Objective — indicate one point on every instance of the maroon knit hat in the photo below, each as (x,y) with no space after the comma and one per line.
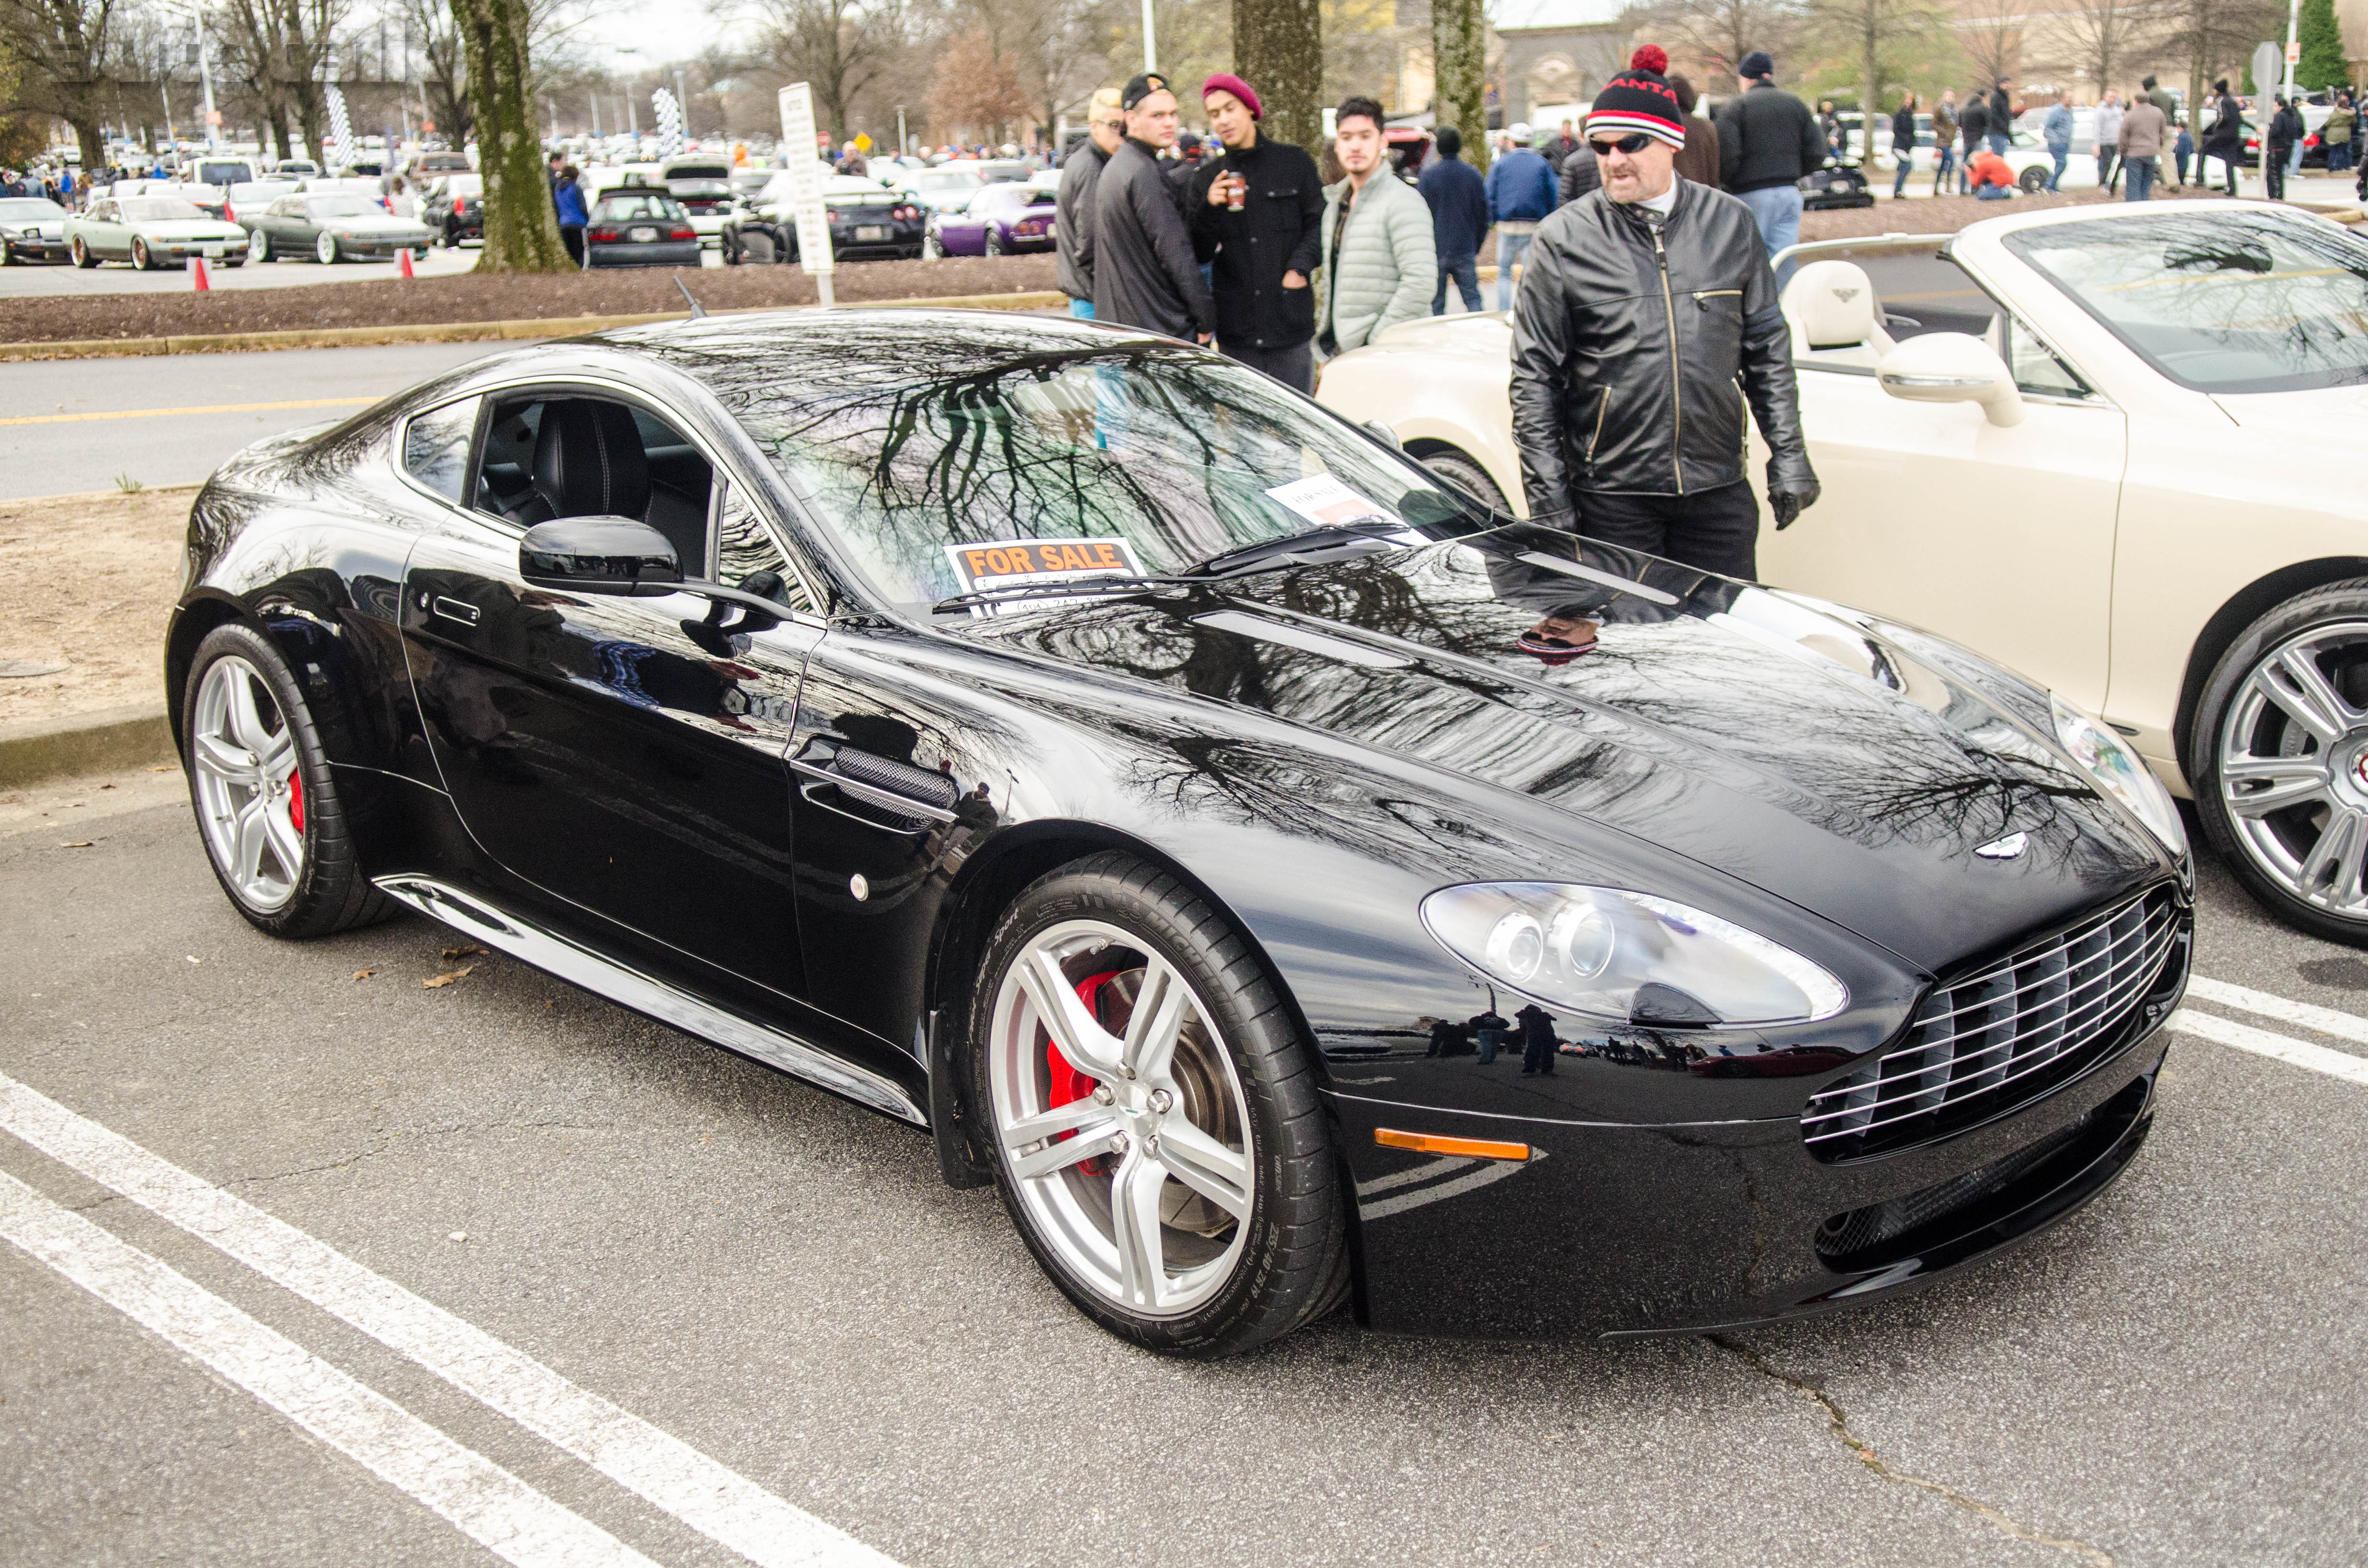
(1224,82)
(1640,98)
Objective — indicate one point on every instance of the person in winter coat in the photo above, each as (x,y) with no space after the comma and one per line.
(2141,148)
(1073,207)
(1262,253)
(1974,127)
(2001,117)
(1537,1041)
(1630,414)
(1144,272)
(2109,140)
(2286,133)
(1992,176)
(2056,131)
(1380,260)
(2224,138)
(2335,135)
(1766,140)
(1903,142)
(1522,191)
(569,200)
(1944,139)
(1458,198)
(1579,173)
(1698,159)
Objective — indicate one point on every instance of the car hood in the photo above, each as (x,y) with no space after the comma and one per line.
(1850,767)
(188,229)
(2336,411)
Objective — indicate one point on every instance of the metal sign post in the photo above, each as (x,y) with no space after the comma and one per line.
(2269,64)
(805,185)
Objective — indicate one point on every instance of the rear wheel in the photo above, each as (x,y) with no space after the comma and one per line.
(2280,756)
(2034,180)
(994,239)
(1158,1141)
(325,248)
(761,248)
(267,805)
(140,259)
(1467,476)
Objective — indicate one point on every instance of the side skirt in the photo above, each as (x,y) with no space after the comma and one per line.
(629,987)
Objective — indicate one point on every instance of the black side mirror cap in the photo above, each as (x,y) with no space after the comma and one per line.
(599,555)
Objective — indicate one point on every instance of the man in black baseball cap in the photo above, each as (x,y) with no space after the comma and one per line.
(1144,272)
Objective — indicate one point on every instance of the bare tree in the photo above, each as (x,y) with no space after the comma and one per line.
(280,49)
(1993,40)
(521,224)
(1722,31)
(840,47)
(444,69)
(1873,34)
(2214,37)
(974,89)
(2101,37)
(61,54)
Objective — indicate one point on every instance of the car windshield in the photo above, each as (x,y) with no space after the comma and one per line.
(225,173)
(259,191)
(1167,456)
(159,209)
(999,173)
(621,208)
(22,209)
(2231,303)
(342,207)
(943,179)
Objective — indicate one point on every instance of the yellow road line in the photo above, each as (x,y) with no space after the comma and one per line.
(217,408)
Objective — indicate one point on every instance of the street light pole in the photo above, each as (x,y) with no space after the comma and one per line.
(1150,44)
(206,76)
(682,102)
(902,147)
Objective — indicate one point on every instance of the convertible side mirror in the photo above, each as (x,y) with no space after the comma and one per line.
(1952,367)
(599,555)
(1379,429)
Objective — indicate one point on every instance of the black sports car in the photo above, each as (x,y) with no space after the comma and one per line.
(1289,883)
(868,222)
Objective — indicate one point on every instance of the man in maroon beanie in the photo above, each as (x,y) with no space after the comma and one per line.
(1258,215)
(1645,324)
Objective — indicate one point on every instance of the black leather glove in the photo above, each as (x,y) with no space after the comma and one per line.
(1789,500)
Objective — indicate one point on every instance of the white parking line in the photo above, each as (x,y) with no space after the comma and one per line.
(2261,1042)
(485,1502)
(2326,1020)
(710,1497)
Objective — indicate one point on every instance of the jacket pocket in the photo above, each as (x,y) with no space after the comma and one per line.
(1595,436)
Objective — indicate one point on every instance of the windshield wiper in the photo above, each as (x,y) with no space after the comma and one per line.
(1332,541)
(1073,587)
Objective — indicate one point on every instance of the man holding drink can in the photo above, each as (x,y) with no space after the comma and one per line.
(1257,215)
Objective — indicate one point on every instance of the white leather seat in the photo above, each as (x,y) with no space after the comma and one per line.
(1834,314)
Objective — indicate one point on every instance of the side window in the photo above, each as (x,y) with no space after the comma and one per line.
(2036,368)
(436,447)
(743,546)
(562,454)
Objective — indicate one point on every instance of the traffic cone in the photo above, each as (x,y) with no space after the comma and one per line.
(403,261)
(197,282)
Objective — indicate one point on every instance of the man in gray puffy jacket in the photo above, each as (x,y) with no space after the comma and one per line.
(1379,259)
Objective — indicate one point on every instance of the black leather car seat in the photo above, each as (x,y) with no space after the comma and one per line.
(587,464)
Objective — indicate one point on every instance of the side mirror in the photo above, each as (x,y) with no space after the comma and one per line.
(1379,429)
(1950,366)
(599,555)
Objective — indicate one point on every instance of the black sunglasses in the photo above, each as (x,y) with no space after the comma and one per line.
(1631,145)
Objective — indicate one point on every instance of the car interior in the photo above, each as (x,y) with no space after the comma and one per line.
(583,456)
(1839,321)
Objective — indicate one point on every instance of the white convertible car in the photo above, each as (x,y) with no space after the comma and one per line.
(2120,448)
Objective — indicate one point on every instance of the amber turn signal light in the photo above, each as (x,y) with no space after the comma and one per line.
(1468,1148)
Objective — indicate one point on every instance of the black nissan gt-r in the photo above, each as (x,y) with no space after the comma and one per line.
(1288,882)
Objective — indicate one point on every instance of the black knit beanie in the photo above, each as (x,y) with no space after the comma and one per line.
(1639,99)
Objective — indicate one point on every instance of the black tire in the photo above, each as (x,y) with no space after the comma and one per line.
(1294,1266)
(2034,180)
(2345,668)
(140,260)
(1467,476)
(331,894)
(760,248)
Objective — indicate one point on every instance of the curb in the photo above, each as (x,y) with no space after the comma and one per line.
(471,331)
(36,749)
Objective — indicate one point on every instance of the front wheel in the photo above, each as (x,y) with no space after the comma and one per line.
(2034,180)
(140,260)
(325,248)
(2280,760)
(1469,477)
(81,253)
(259,247)
(1158,1142)
(267,806)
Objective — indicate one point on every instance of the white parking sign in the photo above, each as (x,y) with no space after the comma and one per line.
(805,179)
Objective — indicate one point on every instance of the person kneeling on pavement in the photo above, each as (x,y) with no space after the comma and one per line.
(1992,176)
(1629,412)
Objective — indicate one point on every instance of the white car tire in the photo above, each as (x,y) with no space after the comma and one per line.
(259,247)
(325,250)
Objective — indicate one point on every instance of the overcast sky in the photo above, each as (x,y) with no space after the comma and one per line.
(663,30)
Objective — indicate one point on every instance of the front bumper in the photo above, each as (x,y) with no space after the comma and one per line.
(26,249)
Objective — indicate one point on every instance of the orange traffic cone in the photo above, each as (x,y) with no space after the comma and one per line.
(403,262)
(197,282)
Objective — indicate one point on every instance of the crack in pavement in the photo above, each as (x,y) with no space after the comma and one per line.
(391,1139)
(1865,1455)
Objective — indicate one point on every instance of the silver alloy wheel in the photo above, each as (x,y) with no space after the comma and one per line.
(243,763)
(1143,1187)
(326,247)
(2293,769)
(259,247)
(933,248)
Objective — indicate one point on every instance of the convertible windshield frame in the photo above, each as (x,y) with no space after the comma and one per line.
(2230,231)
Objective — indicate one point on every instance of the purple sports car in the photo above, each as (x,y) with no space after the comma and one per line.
(1000,220)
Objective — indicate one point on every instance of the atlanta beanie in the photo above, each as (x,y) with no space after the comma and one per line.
(1640,99)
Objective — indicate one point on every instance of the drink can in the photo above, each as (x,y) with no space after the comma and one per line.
(1236,188)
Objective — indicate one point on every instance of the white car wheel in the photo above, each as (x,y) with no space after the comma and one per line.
(326,249)
(259,247)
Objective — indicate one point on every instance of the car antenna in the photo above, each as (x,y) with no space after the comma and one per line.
(697,310)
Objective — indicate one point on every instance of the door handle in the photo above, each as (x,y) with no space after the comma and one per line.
(888,789)
(460,610)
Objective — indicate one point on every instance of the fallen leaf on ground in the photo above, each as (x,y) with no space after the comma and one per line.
(163,770)
(106,786)
(77,844)
(446,978)
(453,954)
(364,973)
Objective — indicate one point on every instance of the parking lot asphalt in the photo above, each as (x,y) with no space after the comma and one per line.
(776,1279)
(34,281)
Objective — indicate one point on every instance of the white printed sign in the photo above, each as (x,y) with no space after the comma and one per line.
(806,178)
(1321,499)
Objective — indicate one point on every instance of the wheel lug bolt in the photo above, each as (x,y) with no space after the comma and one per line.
(1151,1144)
(1103,1093)
(1118,1144)
(1161,1099)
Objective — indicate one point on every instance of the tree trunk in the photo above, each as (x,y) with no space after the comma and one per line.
(92,137)
(1459,52)
(1279,50)
(521,226)
(277,118)
(1869,87)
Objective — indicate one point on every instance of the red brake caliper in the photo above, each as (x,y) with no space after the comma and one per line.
(296,798)
(1067,1082)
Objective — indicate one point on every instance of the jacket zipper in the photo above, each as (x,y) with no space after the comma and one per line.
(1603,407)
(1676,391)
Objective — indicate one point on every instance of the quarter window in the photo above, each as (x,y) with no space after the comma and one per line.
(436,447)
(744,546)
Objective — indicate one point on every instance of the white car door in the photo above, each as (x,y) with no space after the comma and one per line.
(1999,537)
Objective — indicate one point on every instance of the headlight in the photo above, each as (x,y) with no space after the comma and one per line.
(2119,772)
(1628,956)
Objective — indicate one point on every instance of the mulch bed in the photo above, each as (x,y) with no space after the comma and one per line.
(429,301)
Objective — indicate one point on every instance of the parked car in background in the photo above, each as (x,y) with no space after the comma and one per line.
(1000,220)
(702,184)
(455,207)
(867,221)
(2112,446)
(253,196)
(296,168)
(639,228)
(221,172)
(334,228)
(32,228)
(945,189)
(424,168)
(150,232)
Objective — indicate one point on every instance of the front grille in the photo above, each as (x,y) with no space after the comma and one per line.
(1993,1041)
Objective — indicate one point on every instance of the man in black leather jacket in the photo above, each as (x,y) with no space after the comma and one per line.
(1645,322)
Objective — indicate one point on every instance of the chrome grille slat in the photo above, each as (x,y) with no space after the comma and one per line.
(1974,1039)
(2116,996)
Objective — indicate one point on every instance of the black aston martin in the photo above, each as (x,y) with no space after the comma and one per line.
(1289,883)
